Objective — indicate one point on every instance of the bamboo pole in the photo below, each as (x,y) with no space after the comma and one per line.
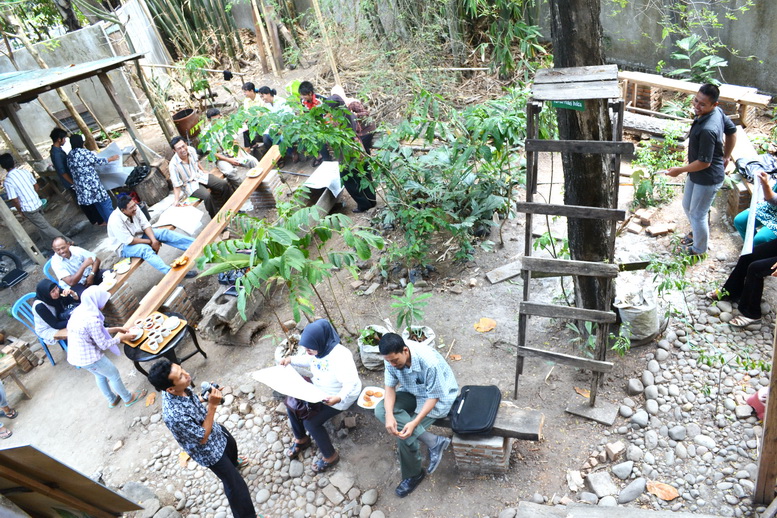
(265,37)
(94,116)
(272,28)
(259,43)
(327,43)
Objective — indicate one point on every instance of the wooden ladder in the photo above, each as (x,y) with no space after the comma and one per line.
(545,267)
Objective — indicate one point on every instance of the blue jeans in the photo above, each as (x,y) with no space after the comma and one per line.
(109,379)
(697,201)
(147,253)
(762,235)
(3,399)
(315,427)
(104,208)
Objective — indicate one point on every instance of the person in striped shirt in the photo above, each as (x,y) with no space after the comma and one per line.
(22,191)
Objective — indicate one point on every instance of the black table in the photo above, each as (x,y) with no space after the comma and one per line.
(137,355)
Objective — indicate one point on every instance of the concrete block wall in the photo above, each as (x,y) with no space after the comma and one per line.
(484,454)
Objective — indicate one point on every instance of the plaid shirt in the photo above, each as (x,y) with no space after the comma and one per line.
(86,342)
(429,376)
(19,183)
(184,416)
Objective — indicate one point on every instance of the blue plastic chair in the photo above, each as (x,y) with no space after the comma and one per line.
(49,272)
(22,311)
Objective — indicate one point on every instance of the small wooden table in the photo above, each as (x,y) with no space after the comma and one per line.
(7,367)
(137,355)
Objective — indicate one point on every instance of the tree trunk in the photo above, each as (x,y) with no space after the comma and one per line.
(69,19)
(577,35)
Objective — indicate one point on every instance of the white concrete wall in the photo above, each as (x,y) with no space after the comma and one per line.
(83,46)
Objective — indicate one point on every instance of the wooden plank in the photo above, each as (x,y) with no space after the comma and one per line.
(728,93)
(24,240)
(569,267)
(743,148)
(511,421)
(507,271)
(565,312)
(580,146)
(576,74)
(123,115)
(576,92)
(571,211)
(767,462)
(170,281)
(771,511)
(566,359)
(576,510)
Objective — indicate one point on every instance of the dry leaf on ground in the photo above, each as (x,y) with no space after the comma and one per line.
(662,491)
(455,357)
(151,399)
(583,392)
(183,458)
(485,325)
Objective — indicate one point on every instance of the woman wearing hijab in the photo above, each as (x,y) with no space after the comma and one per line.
(87,341)
(334,373)
(51,309)
(89,189)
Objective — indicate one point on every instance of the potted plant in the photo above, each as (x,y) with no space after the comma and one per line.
(198,88)
(368,346)
(409,313)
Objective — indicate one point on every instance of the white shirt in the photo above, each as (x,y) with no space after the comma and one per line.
(19,183)
(335,374)
(123,230)
(187,175)
(66,267)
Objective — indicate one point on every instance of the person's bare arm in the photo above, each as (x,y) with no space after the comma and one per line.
(213,401)
(729,142)
(390,397)
(407,431)
(70,280)
(696,165)
(17,204)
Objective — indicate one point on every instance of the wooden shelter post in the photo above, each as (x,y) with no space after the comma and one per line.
(21,236)
(10,111)
(125,117)
(767,462)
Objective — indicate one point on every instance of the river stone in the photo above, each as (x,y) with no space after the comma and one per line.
(632,491)
(623,470)
(724,306)
(677,433)
(634,387)
(651,392)
(365,511)
(608,501)
(601,484)
(588,498)
(508,513)
(296,469)
(370,497)
(625,411)
(377,514)
(648,378)
(640,418)
(633,453)
(167,512)
(262,496)
(651,405)
(705,440)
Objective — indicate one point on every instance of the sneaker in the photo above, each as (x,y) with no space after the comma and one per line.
(435,454)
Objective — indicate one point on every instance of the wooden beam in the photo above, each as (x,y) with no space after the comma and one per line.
(567,267)
(511,421)
(767,462)
(600,147)
(52,491)
(16,228)
(10,111)
(123,115)
(565,312)
(566,359)
(570,211)
(207,235)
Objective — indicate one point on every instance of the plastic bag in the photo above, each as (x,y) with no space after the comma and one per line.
(640,313)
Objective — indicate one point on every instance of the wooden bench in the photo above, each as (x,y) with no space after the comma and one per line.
(744,98)
(739,197)
(7,368)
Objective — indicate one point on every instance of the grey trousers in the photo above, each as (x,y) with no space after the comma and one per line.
(218,187)
(48,232)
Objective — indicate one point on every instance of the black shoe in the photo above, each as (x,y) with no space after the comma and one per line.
(408,485)
(192,273)
(435,454)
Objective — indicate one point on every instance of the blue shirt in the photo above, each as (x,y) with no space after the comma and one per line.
(429,376)
(705,143)
(184,416)
(59,161)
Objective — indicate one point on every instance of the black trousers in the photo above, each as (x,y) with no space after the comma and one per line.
(235,488)
(746,282)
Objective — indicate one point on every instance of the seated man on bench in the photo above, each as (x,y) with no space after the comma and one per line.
(190,179)
(132,233)
(427,389)
(75,267)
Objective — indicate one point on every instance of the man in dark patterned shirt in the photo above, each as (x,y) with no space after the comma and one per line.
(208,443)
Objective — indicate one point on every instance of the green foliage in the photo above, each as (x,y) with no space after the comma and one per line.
(650,188)
(370,336)
(586,338)
(468,172)
(409,309)
(548,242)
(198,80)
(280,252)
(670,274)
(679,106)
(699,60)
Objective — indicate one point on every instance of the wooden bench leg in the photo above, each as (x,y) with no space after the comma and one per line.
(21,386)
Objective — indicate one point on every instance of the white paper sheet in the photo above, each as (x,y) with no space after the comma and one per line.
(326,176)
(758,195)
(287,381)
(188,219)
(113,174)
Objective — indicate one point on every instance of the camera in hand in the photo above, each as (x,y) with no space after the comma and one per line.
(205,387)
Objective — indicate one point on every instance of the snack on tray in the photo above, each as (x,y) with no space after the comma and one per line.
(377,394)
(179,262)
(369,403)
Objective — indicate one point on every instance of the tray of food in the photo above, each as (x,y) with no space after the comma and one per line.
(154,332)
(370,397)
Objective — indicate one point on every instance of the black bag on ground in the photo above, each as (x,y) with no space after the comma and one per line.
(474,410)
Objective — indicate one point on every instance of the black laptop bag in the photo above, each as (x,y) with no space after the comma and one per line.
(474,410)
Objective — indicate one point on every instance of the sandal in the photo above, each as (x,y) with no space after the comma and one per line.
(743,321)
(12,415)
(242,462)
(321,465)
(115,402)
(297,448)
(137,396)
(5,433)
(687,240)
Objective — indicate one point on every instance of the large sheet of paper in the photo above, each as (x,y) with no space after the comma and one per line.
(288,381)
(758,195)
(113,174)
(188,219)
(326,176)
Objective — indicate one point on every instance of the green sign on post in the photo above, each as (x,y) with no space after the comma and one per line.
(569,105)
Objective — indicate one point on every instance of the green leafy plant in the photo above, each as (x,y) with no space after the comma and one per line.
(670,274)
(370,336)
(409,308)
(586,338)
(701,63)
(652,189)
